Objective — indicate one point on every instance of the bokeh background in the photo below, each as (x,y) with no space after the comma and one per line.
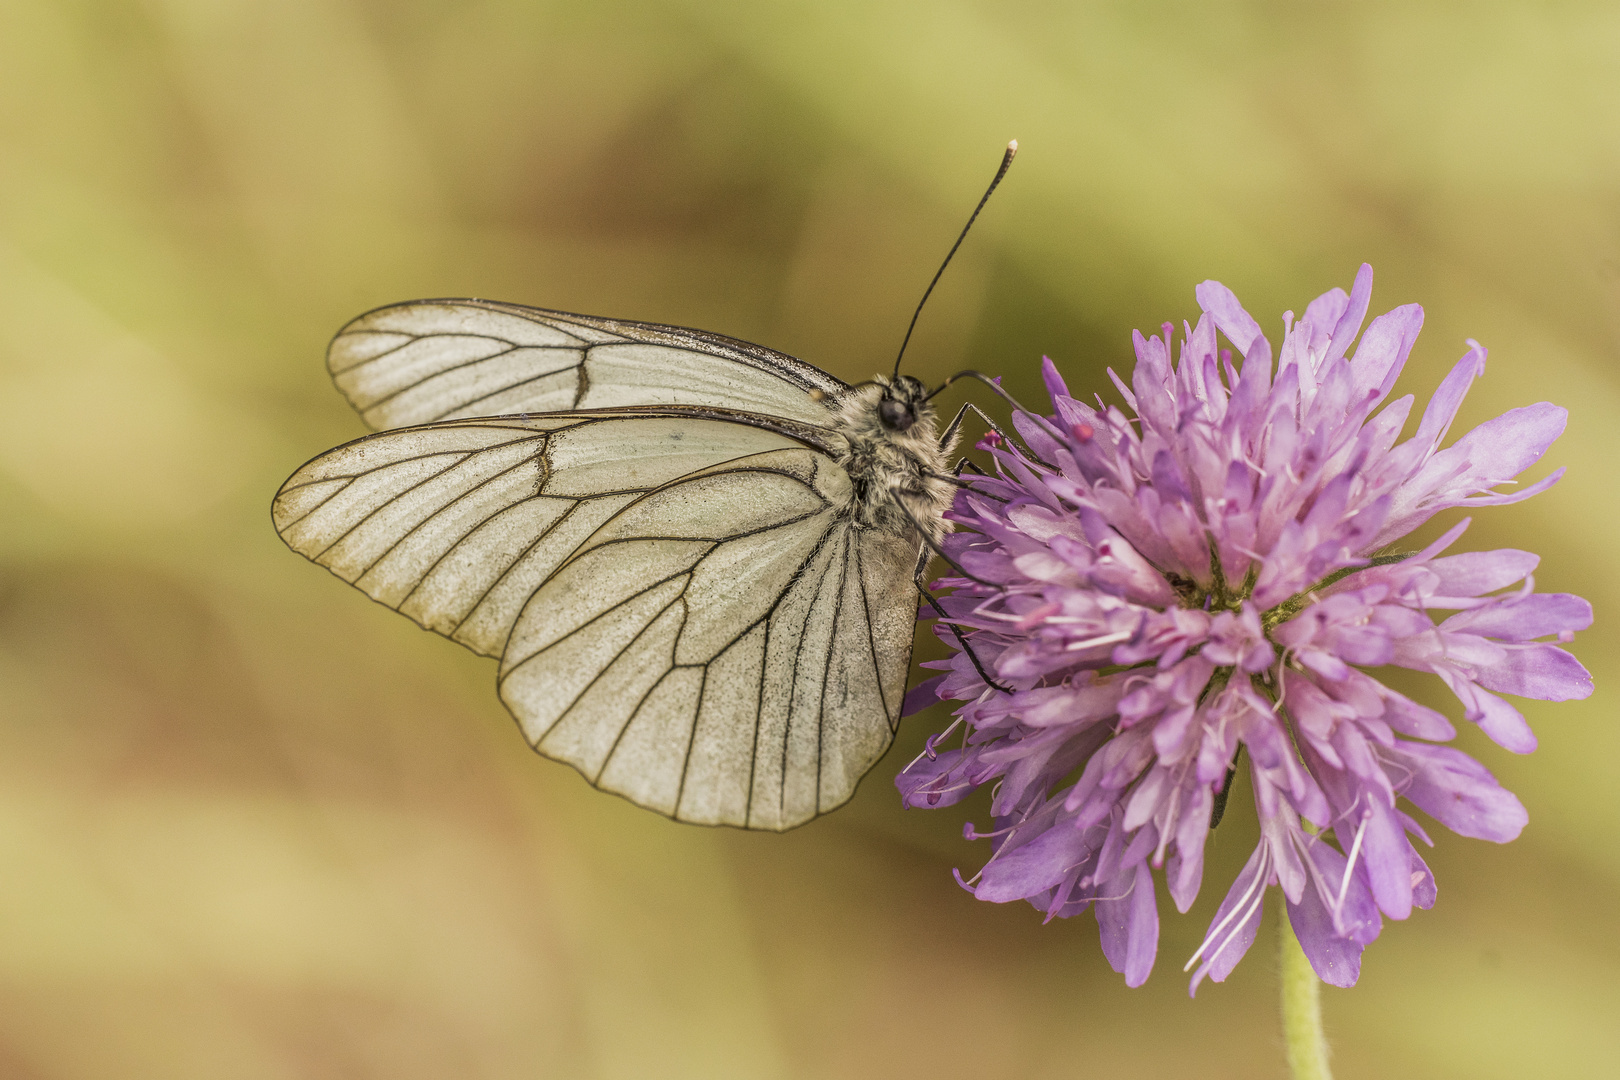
(254,826)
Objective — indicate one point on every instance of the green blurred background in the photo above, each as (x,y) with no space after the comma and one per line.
(252,825)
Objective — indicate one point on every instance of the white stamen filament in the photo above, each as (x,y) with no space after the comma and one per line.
(1282,683)
(1231,935)
(1091,643)
(1100,899)
(1000,616)
(1260,875)
(947,790)
(1010,830)
(1350,864)
(1319,880)
(1351,809)
(912,762)
(1399,786)
(1170,814)
(929,747)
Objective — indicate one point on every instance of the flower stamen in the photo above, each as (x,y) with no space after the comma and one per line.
(1350,861)
(1244,907)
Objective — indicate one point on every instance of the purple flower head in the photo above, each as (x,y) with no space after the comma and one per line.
(1150,595)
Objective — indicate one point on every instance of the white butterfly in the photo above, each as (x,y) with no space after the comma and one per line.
(694,557)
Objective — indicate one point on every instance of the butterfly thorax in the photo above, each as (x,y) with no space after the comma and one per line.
(887,440)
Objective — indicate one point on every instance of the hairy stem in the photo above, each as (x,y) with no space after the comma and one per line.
(1301,1010)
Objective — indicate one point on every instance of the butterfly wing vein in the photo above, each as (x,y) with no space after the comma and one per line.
(746,674)
(429,361)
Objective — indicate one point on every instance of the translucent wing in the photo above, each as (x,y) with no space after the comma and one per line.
(435,360)
(683,609)
(455,525)
(727,649)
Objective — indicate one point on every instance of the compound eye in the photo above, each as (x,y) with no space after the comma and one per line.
(896,415)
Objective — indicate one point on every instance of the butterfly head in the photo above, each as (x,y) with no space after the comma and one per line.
(903,401)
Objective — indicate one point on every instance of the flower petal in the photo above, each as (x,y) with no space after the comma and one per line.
(1384,349)
(1336,920)
(942,781)
(1355,313)
(1457,791)
(1502,448)
(1222,306)
(1544,672)
(921,696)
(1129,925)
(1524,618)
(1474,573)
(1055,386)
(1033,867)
(1443,406)
(1505,725)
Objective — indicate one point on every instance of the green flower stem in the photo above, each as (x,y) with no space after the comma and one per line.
(1301,1010)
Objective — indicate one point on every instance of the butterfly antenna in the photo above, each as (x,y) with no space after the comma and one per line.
(1006,160)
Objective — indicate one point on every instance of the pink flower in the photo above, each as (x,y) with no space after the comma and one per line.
(1155,594)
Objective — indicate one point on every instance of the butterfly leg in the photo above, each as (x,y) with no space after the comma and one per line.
(948,436)
(952,429)
(923,559)
(961,638)
(964,464)
(930,548)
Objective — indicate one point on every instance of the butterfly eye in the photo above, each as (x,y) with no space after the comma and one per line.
(896,415)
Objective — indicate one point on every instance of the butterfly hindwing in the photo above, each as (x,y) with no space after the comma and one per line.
(724,650)
(434,360)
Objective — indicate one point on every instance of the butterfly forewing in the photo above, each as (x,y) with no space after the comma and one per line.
(455,525)
(438,360)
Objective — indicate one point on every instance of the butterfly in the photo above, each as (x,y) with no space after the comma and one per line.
(695,559)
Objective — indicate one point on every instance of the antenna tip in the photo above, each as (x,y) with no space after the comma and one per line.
(1012,148)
